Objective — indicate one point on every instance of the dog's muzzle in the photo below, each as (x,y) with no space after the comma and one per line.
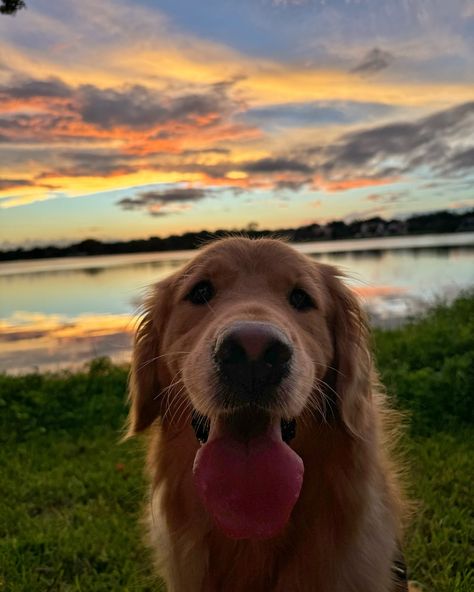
(252,359)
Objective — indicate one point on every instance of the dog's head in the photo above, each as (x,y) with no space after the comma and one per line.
(251,323)
(250,333)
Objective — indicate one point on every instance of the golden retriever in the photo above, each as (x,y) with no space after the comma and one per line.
(268,447)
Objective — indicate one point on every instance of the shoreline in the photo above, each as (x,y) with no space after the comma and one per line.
(356,245)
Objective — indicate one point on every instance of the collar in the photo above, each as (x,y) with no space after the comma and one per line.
(399,572)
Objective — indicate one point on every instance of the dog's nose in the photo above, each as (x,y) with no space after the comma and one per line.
(253,357)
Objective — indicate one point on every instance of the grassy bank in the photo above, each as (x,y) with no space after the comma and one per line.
(71,496)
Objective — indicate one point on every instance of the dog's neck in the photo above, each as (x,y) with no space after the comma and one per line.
(328,519)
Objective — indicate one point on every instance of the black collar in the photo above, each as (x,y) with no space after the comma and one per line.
(399,572)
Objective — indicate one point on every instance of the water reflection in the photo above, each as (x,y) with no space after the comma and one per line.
(59,313)
(93,270)
(48,342)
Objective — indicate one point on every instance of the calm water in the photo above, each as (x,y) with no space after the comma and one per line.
(65,311)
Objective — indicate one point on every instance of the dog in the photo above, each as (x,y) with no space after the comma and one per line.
(268,450)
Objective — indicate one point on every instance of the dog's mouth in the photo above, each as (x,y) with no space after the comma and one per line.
(202,426)
(246,474)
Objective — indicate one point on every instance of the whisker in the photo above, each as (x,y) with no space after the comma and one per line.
(325,384)
(177,409)
(328,366)
(165,392)
(160,356)
(183,408)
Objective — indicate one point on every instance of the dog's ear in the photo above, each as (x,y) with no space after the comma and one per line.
(144,380)
(351,375)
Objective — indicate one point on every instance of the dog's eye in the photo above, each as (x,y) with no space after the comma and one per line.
(201,293)
(300,300)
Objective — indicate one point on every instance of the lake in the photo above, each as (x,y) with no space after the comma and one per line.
(58,313)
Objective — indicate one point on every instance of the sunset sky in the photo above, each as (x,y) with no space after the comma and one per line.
(123,119)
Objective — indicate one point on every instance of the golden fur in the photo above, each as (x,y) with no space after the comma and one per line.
(343,532)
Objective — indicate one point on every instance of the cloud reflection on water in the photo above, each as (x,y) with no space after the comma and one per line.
(50,341)
(58,313)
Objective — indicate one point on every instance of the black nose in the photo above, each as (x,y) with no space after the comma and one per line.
(253,358)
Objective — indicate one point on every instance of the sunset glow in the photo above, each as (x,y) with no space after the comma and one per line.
(122,120)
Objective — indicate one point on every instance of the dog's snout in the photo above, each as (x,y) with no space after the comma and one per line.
(253,357)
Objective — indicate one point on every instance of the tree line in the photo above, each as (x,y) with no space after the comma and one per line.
(432,223)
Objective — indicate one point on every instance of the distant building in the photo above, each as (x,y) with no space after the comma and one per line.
(467,224)
(396,227)
(373,227)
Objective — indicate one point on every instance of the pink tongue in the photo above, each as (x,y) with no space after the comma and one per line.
(249,488)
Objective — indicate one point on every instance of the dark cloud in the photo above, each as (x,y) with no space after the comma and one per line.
(461,161)
(95,163)
(292,185)
(375,60)
(14,183)
(160,213)
(141,107)
(388,197)
(135,107)
(196,105)
(317,112)
(378,153)
(439,143)
(276,165)
(41,127)
(223,151)
(149,199)
(131,203)
(363,146)
(374,154)
(365,214)
(108,108)
(28,88)
(423,142)
(174,195)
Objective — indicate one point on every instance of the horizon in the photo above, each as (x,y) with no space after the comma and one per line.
(122,122)
(254,227)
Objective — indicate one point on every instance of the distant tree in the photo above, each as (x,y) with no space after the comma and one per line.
(252,226)
(436,222)
(11,6)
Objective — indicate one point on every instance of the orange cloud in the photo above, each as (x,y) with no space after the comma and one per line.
(358,183)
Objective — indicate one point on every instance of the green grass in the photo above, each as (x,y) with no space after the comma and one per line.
(71,496)
(439,544)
